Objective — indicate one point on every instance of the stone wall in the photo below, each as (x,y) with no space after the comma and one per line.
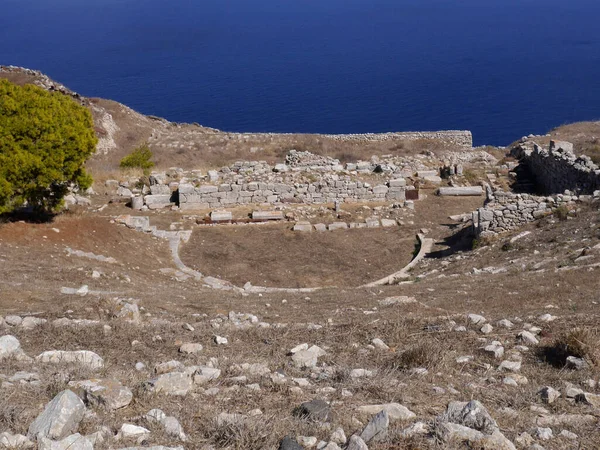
(505,211)
(324,191)
(558,169)
(458,138)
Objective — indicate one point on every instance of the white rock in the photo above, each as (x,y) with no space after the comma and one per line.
(9,346)
(548,394)
(378,343)
(528,338)
(395,411)
(190,348)
(307,441)
(84,358)
(504,323)
(72,442)
(568,435)
(510,366)
(170,424)
(543,433)
(546,318)
(486,329)
(60,417)
(29,322)
(495,348)
(338,436)
(356,443)
(129,431)
(13,321)
(476,319)
(360,373)
(219,340)
(14,441)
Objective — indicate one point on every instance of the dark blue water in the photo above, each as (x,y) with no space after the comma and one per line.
(501,68)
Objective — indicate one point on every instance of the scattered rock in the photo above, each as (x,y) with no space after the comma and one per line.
(190,348)
(548,394)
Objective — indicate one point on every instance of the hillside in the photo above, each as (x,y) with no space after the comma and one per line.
(130,321)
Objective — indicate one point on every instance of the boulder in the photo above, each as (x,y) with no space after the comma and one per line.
(60,417)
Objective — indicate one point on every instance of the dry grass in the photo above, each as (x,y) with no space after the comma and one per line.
(581,342)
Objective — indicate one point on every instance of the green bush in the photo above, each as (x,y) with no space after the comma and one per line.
(138,159)
(45,139)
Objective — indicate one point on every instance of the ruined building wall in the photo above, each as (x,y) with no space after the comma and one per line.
(558,169)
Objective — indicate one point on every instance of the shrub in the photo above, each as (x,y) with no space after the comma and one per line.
(581,342)
(45,139)
(562,212)
(138,159)
(425,354)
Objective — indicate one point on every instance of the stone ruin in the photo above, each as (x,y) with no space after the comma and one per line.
(566,179)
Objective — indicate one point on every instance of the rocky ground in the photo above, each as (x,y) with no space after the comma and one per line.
(109,340)
(490,348)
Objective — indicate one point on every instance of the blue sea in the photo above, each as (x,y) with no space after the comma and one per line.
(500,68)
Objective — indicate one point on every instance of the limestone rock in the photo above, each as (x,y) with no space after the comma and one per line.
(29,322)
(548,394)
(588,399)
(190,348)
(395,411)
(84,358)
(107,393)
(170,424)
(495,348)
(172,383)
(316,410)
(528,338)
(338,436)
(576,363)
(307,358)
(130,431)
(476,319)
(9,346)
(472,414)
(356,443)
(377,428)
(14,441)
(72,442)
(60,418)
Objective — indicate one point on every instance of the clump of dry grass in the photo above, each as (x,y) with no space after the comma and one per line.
(582,342)
(240,434)
(427,354)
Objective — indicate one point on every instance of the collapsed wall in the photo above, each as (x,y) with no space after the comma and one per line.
(558,169)
(566,178)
